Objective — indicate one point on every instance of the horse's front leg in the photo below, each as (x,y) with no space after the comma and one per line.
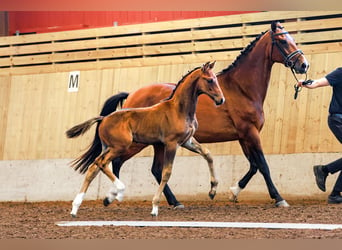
(157,167)
(196,147)
(169,155)
(92,171)
(252,149)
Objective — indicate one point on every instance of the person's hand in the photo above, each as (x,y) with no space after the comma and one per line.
(304,83)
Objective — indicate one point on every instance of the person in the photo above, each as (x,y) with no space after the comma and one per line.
(321,172)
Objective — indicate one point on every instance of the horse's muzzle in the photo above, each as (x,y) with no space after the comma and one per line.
(303,68)
(219,101)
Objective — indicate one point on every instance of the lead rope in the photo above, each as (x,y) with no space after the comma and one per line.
(296,87)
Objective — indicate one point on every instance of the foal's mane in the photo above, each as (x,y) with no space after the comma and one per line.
(243,53)
(180,82)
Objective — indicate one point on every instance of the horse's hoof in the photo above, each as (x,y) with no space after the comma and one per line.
(73,215)
(232,197)
(234,192)
(106,202)
(178,206)
(282,203)
(212,194)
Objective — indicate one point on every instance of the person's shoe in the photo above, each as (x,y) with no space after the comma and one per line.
(336,199)
(320,177)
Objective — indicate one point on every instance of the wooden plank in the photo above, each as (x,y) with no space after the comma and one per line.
(331,35)
(312,125)
(308,25)
(5,88)
(322,48)
(270,129)
(6,61)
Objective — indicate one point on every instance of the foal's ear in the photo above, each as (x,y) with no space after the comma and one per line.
(211,65)
(205,66)
(208,65)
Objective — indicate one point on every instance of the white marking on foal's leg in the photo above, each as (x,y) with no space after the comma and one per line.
(154,211)
(76,204)
(120,189)
(116,192)
(234,192)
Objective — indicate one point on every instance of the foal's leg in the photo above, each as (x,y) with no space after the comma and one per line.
(90,175)
(116,192)
(170,153)
(196,147)
(157,168)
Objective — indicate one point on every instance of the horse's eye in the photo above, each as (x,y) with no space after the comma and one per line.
(283,42)
(211,80)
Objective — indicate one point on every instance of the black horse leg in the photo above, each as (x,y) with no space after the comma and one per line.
(116,166)
(259,158)
(248,176)
(157,173)
(258,162)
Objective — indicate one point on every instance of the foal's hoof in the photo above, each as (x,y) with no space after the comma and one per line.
(282,203)
(106,202)
(212,194)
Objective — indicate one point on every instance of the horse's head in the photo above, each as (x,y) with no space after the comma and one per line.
(284,49)
(208,84)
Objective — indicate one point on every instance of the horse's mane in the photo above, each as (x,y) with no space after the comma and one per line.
(179,82)
(243,53)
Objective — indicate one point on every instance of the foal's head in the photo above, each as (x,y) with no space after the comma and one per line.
(207,83)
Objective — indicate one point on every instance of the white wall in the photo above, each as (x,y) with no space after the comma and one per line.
(50,180)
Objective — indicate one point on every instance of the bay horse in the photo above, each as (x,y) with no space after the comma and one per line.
(244,84)
(168,124)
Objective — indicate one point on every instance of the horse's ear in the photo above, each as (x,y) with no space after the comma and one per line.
(205,66)
(211,65)
(274,25)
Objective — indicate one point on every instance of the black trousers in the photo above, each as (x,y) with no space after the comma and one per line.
(335,125)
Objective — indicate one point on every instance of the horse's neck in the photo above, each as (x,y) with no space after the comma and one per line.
(252,73)
(185,99)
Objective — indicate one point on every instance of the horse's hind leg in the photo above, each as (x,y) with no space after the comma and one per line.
(196,147)
(90,175)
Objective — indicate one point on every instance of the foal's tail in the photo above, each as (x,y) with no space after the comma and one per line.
(95,148)
(80,129)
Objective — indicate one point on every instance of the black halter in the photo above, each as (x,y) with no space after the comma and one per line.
(288,62)
(287,58)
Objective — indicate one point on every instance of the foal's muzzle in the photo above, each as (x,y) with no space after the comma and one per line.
(219,101)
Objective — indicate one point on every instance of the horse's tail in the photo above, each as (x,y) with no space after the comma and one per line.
(113,102)
(80,129)
(83,162)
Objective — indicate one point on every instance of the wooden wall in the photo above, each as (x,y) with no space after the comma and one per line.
(36,108)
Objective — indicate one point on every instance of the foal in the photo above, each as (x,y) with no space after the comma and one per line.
(167,124)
